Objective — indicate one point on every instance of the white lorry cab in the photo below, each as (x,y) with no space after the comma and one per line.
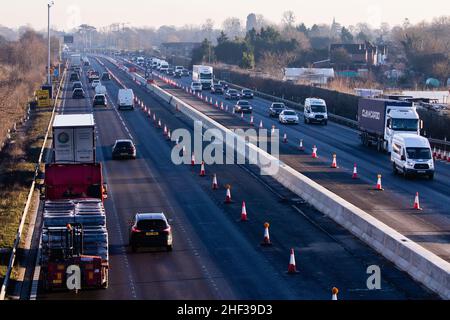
(164,66)
(125,99)
(411,155)
(315,111)
(203,74)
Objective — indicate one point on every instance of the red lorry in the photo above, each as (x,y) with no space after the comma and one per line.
(74,225)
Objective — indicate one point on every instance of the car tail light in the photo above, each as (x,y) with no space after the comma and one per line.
(134,229)
(168,230)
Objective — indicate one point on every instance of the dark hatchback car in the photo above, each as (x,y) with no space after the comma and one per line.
(185,73)
(78,94)
(178,73)
(74,77)
(243,106)
(151,230)
(276,108)
(247,94)
(124,149)
(217,89)
(170,72)
(232,94)
(77,85)
(106,76)
(100,100)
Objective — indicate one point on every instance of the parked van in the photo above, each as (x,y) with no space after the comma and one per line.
(125,99)
(411,155)
(315,111)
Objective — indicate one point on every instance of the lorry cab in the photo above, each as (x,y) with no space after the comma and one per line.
(164,67)
(411,155)
(315,111)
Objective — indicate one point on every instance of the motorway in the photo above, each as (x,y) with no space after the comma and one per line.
(215,255)
(429,227)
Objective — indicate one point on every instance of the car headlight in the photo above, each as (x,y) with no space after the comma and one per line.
(409,163)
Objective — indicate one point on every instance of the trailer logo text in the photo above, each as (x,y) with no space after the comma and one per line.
(370,114)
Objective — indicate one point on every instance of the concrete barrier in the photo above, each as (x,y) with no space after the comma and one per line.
(421,264)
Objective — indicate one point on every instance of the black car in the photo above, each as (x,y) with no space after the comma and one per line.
(276,108)
(247,94)
(106,76)
(170,72)
(217,88)
(232,94)
(100,100)
(124,149)
(74,76)
(151,230)
(243,106)
(178,74)
(77,85)
(185,73)
(78,94)
(224,84)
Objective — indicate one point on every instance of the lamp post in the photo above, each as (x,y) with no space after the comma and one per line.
(49,77)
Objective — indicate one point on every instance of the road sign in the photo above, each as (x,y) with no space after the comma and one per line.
(56,73)
(43,98)
(68,39)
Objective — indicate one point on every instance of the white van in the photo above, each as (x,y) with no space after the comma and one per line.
(125,99)
(100,89)
(164,66)
(411,154)
(315,111)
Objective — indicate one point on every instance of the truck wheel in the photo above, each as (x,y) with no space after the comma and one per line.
(394,168)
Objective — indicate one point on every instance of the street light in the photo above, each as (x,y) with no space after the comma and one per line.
(49,77)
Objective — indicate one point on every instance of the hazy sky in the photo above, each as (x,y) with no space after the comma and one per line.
(69,13)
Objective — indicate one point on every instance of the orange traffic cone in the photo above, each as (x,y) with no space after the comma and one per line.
(244,212)
(169,135)
(314,153)
(228,196)
(193,159)
(379,187)
(334,293)
(355,172)
(165,130)
(159,123)
(215,186)
(448,157)
(439,156)
(273,130)
(285,139)
(154,117)
(334,163)
(217,104)
(202,169)
(301,147)
(292,269)
(434,152)
(266,242)
(416,202)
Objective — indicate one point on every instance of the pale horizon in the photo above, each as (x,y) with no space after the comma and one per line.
(100,13)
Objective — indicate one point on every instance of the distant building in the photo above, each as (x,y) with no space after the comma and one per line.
(309,75)
(252,22)
(178,49)
(361,54)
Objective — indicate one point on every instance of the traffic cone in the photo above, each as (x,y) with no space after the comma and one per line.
(211,101)
(448,157)
(244,212)
(159,123)
(314,153)
(355,172)
(416,202)
(273,130)
(334,293)
(221,105)
(379,187)
(165,130)
(261,124)
(444,156)
(183,151)
(217,104)
(292,269)
(226,108)
(251,121)
(285,139)
(301,147)
(228,196)
(242,115)
(434,152)
(169,135)
(215,186)
(193,159)
(439,156)
(202,169)
(334,163)
(266,241)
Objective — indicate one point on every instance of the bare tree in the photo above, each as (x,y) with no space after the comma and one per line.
(288,19)
(233,27)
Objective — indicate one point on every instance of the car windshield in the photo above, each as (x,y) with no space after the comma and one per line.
(246,91)
(196,84)
(124,144)
(289,113)
(154,224)
(243,103)
(419,153)
(318,109)
(232,91)
(278,106)
(206,76)
(217,86)
(405,124)
(99,98)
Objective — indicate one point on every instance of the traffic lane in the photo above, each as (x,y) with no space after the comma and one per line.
(430,228)
(315,248)
(119,284)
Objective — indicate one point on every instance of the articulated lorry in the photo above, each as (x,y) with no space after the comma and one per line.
(204,75)
(74,217)
(380,119)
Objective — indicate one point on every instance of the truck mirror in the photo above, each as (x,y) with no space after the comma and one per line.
(421,124)
(403,158)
